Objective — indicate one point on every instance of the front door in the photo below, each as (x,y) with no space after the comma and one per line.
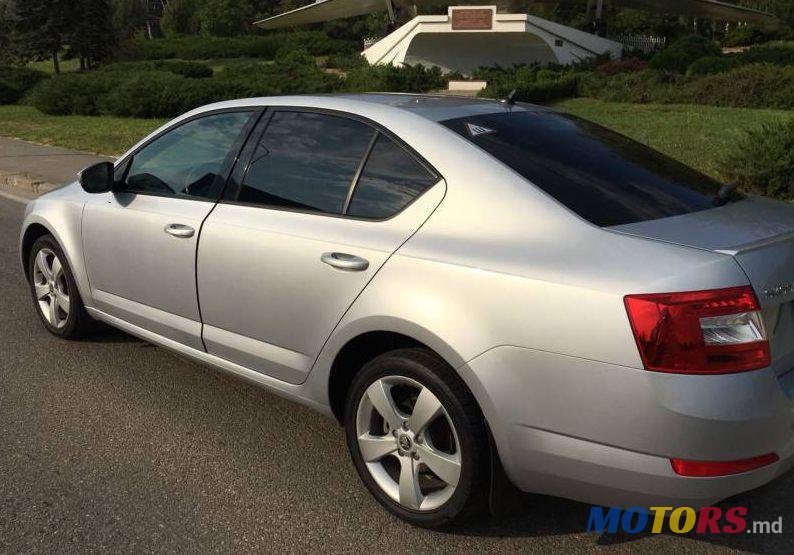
(140,240)
(325,201)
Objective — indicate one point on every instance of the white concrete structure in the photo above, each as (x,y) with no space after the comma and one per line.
(461,41)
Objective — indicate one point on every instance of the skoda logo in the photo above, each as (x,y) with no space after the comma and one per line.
(779,291)
(405,442)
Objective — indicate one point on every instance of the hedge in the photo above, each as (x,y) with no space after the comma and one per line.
(16,81)
(201,48)
(680,54)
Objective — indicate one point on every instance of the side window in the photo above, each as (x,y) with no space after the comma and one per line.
(391,179)
(306,160)
(187,161)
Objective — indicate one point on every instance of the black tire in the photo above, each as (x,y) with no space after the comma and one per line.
(471,494)
(77,322)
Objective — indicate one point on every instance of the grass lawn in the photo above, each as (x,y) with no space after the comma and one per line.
(699,136)
(102,135)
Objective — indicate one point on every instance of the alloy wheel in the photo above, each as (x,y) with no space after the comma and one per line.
(51,288)
(408,443)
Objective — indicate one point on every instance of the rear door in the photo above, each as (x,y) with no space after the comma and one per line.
(140,240)
(324,201)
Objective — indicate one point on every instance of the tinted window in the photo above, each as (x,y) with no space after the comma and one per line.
(306,161)
(187,161)
(604,177)
(391,179)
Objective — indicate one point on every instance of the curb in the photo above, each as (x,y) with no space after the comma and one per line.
(25,182)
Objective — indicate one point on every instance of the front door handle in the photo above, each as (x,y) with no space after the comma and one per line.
(179,230)
(344,261)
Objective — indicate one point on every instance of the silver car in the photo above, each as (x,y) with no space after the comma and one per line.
(472,288)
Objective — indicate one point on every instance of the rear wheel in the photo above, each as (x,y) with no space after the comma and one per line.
(418,439)
(54,290)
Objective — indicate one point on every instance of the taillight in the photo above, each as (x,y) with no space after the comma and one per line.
(705,469)
(700,332)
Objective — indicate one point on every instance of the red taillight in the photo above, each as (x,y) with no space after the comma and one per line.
(700,332)
(705,469)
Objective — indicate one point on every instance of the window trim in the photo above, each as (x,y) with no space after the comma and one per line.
(232,192)
(232,156)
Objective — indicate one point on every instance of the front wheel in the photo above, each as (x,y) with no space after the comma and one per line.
(54,290)
(418,439)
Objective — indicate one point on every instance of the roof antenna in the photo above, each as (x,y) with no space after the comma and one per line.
(510,100)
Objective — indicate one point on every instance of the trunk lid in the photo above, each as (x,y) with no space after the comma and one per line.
(759,234)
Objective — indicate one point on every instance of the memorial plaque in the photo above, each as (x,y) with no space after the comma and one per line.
(472,20)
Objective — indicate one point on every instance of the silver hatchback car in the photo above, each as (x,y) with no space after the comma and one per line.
(468,286)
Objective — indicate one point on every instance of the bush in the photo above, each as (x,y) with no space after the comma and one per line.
(178,67)
(712,64)
(538,92)
(639,87)
(746,35)
(624,65)
(752,86)
(16,81)
(147,95)
(680,54)
(763,161)
(777,53)
(75,93)
(202,48)
(394,79)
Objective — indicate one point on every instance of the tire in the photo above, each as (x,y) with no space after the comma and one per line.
(51,278)
(455,489)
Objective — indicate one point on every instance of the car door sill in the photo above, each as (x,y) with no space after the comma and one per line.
(283,389)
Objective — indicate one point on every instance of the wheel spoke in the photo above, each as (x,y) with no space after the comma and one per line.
(443,465)
(410,494)
(41,291)
(63,301)
(380,397)
(374,448)
(56,268)
(53,311)
(41,264)
(426,409)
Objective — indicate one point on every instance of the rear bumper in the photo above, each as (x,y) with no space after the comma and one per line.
(605,434)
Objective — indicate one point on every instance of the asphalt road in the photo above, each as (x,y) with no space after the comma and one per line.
(111,444)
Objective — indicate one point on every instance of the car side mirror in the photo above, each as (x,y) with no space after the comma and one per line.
(97,178)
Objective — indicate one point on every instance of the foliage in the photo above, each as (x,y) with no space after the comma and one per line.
(778,53)
(179,67)
(72,93)
(712,64)
(179,18)
(538,92)
(89,33)
(746,35)
(751,86)
(623,65)
(681,53)
(16,81)
(202,48)
(225,18)
(763,161)
(38,27)
(394,79)
(128,16)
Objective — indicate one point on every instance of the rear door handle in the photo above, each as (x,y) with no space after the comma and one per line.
(180,230)
(344,261)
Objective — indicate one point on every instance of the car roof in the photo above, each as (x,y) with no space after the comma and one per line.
(428,106)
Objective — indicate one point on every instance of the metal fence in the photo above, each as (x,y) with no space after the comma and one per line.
(645,43)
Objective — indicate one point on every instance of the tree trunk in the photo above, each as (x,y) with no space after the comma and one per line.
(56,64)
(82,63)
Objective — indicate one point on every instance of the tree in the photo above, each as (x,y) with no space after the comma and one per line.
(39,27)
(90,32)
(128,16)
(226,17)
(179,18)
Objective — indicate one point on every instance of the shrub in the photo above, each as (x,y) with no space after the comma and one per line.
(539,92)
(16,81)
(680,54)
(751,86)
(763,161)
(777,53)
(394,79)
(712,64)
(624,65)
(75,93)
(638,87)
(746,35)
(202,48)
(178,67)
(146,95)
(346,61)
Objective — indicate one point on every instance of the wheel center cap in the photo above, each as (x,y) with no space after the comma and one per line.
(405,442)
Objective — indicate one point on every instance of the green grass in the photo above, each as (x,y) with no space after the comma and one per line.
(66,66)
(102,135)
(699,136)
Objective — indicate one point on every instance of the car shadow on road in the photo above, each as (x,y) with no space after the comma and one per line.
(539,515)
(106,334)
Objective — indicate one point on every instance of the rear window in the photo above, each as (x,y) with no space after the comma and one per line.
(606,178)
